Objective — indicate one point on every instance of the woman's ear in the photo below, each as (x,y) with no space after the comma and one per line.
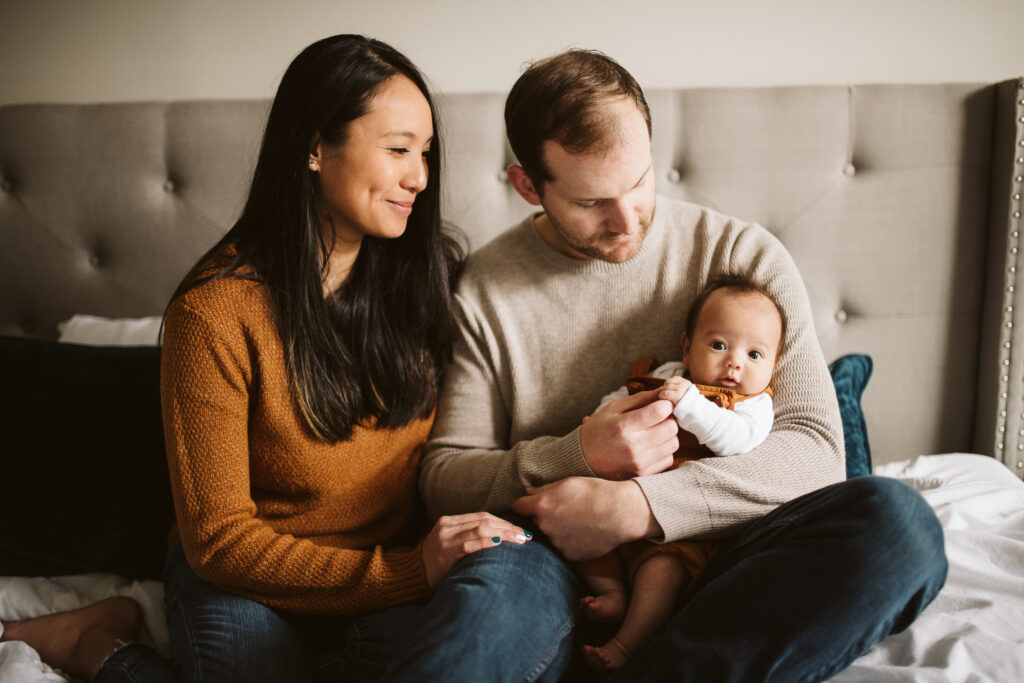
(686,350)
(315,153)
(524,186)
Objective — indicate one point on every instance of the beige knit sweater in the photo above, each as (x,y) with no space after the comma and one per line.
(264,509)
(545,336)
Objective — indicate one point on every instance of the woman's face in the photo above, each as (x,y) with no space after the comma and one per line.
(370,181)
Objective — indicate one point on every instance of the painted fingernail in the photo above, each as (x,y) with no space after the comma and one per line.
(529,534)
(496,539)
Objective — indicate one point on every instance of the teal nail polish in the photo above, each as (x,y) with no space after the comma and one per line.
(496,539)
(529,534)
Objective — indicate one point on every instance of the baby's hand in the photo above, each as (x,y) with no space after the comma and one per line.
(674,388)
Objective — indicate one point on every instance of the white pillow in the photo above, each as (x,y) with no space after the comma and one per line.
(97,331)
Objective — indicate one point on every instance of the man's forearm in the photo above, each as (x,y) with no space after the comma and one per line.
(456,479)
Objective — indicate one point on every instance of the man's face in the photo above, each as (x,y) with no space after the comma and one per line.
(600,206)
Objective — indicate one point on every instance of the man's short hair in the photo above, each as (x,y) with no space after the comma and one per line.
(559,99)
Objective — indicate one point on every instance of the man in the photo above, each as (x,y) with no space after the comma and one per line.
(812,570)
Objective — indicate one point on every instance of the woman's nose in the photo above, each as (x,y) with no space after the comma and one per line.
(415,178)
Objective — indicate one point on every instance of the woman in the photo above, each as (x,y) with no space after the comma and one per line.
(301,363)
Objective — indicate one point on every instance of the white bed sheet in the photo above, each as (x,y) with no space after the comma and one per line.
(973,631)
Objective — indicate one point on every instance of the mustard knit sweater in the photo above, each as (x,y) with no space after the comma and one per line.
(265,509)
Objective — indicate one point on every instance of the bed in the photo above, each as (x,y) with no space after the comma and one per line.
(901,205)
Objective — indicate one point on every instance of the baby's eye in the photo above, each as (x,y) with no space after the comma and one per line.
(755,355)
(718,345)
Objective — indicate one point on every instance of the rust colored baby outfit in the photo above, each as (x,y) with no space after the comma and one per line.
(622,562)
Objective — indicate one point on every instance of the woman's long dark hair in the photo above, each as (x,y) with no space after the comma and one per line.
(375,350)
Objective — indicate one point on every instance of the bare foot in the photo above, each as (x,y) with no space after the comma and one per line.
(611,655)
(77,641)
(608,607)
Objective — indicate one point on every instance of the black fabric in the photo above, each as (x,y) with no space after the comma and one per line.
(85,485)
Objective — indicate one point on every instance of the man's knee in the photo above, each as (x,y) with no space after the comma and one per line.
(904,529)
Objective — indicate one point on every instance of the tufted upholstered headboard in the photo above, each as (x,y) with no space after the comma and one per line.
(900,203)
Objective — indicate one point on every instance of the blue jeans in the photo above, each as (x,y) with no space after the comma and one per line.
(503,614)
(801,593)
(507,611)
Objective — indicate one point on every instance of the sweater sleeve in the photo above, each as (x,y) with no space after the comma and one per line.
(716,496)
(724,431)
(468,463)
(206,376)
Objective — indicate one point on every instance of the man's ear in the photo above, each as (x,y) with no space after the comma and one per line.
(524,186)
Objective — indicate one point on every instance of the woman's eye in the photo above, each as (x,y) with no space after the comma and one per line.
(400,150)
(718,346)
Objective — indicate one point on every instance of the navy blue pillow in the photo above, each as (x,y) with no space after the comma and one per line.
(850,374)
(82,457)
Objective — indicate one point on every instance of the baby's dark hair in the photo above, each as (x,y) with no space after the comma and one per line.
(741,284)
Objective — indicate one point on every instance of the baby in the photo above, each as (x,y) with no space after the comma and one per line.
(731,346)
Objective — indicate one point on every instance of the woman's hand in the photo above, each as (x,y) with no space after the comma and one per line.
(453,537)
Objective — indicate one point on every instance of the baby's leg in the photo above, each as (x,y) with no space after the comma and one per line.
(608,603)
(656,587)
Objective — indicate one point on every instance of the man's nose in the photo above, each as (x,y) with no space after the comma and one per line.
(622,218)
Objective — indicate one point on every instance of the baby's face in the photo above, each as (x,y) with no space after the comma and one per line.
(735,342)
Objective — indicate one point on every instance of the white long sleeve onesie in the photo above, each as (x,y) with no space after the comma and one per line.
(723,431)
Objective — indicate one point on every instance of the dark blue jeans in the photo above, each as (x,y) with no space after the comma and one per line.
(801,593)
(504,613)
(797,596)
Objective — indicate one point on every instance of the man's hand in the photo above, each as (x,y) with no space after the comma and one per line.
(586,517)
(631,437)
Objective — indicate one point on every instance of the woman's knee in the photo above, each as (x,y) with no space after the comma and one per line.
(220,636)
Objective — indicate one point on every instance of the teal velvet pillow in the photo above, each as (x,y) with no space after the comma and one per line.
(850,374)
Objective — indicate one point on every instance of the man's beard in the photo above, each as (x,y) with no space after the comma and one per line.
(593,248)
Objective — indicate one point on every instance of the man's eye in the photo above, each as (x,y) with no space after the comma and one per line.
(718,346)
(589,205)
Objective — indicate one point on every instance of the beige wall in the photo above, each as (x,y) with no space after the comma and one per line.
(104,50)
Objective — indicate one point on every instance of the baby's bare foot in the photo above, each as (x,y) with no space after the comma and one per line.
(611,655)
(77,641)
(608,607)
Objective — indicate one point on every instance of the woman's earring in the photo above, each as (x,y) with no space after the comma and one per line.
(312,164)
